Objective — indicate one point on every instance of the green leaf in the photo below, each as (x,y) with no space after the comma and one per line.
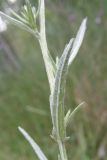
(17,17)
(30,14)
(34,145)
(57,97)
(66,119)
(78,41)
(17,23)
(69,116)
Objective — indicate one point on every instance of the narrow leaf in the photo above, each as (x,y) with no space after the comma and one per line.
(17,22)
(31,14)
(34,145)
(69,115)
(18,17)
(57,97)
(78,41)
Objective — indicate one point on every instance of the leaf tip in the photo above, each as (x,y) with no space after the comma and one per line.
(85,22)
(20,129)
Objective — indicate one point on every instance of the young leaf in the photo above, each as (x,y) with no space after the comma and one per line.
(78,41)
(17,23)
(30,14)
(18,17)
(66,118)
(70,114)
(34,145)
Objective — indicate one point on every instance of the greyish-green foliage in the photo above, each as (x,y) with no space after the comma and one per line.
(56,72)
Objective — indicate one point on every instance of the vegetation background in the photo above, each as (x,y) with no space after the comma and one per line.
(24,89)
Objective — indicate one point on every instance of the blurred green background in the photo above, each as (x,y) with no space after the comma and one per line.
(24,90)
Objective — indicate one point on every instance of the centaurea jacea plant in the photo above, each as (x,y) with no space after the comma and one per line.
(56,72)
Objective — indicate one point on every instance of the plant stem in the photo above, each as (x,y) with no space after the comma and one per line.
(44,47)
(46,58)
(62,150)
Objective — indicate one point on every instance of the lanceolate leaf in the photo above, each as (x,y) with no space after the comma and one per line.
(57,97)
(78,41)
(34,145)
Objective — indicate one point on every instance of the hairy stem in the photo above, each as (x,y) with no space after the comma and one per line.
(62,150)
(44,47)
